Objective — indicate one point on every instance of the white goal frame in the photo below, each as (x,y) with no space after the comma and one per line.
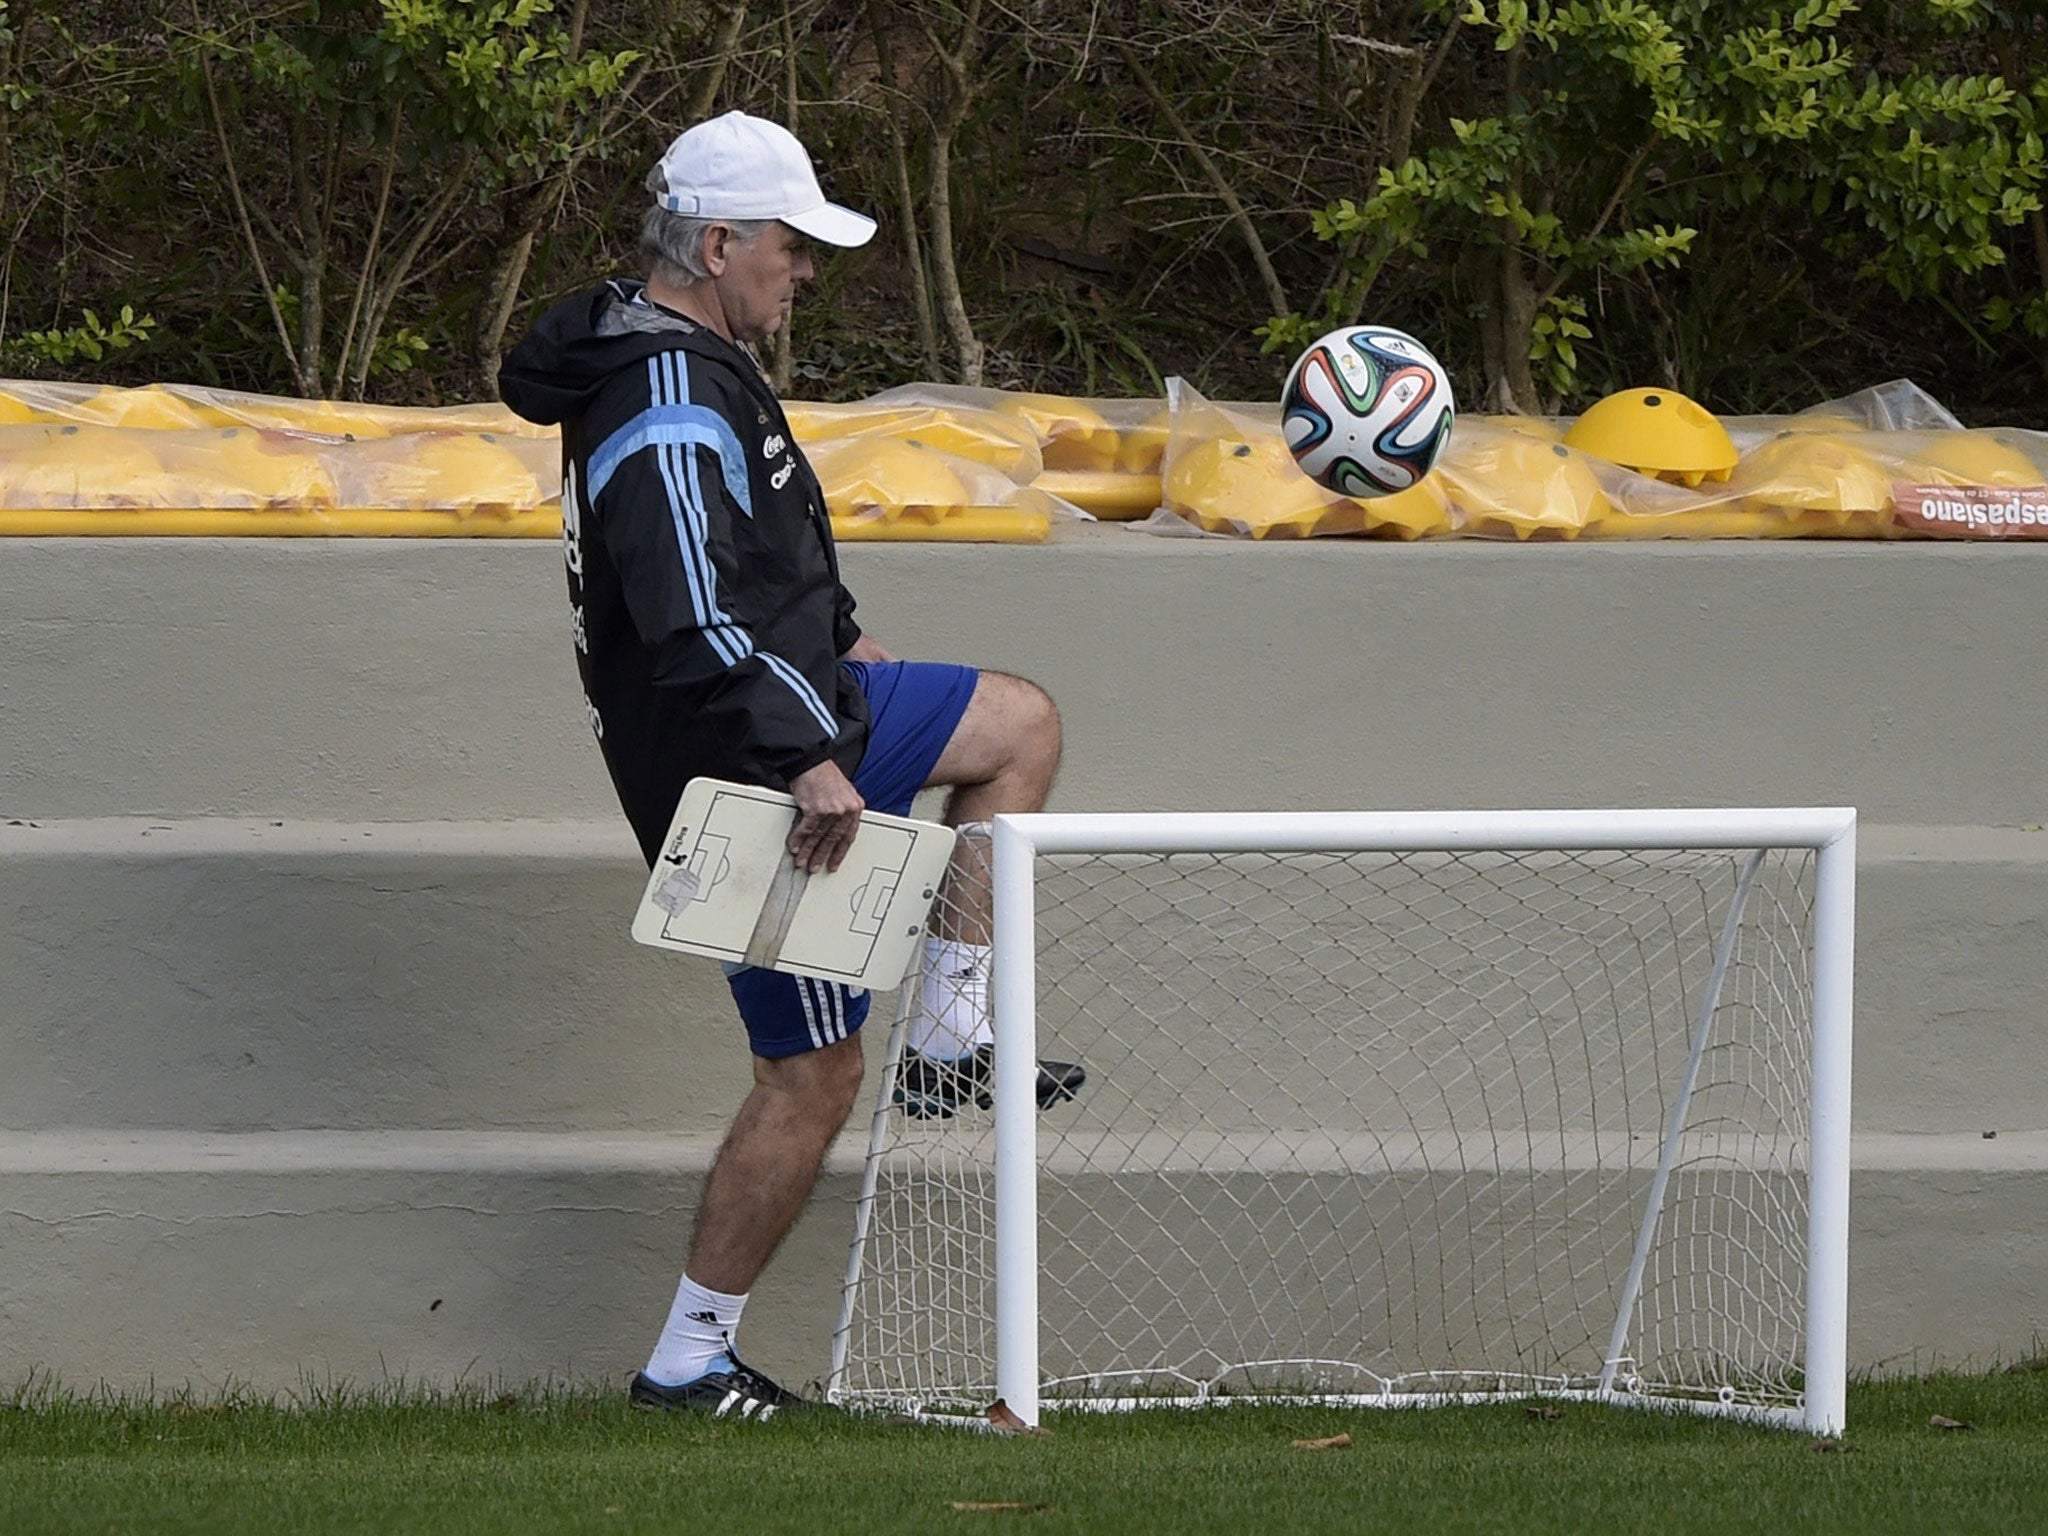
(1829,832)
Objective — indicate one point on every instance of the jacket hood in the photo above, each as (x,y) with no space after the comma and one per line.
(576,347)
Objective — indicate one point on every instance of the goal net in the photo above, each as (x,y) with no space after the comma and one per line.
(1385,1109)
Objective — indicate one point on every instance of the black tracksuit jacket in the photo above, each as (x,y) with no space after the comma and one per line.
(708,613)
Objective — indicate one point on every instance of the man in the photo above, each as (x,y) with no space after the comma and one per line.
(714,638)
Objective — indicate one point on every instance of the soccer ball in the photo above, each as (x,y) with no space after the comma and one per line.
(1366,411)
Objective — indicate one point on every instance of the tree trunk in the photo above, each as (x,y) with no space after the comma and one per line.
(1518,305)
(310,258)
(1510,298)
(968,350)
(906,196)
(495,305)
(500,293)
(959,87)
(913,253)
(1504,306)
(345,357)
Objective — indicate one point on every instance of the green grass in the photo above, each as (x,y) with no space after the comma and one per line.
(562,1464)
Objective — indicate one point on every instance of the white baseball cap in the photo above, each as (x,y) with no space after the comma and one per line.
(741,167)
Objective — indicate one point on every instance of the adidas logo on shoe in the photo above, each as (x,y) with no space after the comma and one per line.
(738,1393)
(748,1406)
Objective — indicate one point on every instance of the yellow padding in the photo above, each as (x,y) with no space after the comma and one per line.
(1725,521)
(1141,449)
(1507,481)
(1073,434)
(939,463)
(191,407)
(53,465)
(1249,484)
(1242,485)
(324,522)
(972,525)
(152,408)
(1111,495)
(1841,475)
(983,436)
(67,466)
(459,471)
(964,525)
(860,475)
(1982,457)
(917,489)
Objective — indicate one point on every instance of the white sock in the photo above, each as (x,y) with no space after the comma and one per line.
(952,1017)
(700,1329)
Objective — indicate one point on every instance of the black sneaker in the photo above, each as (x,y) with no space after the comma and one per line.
(934,1090)
(739,1393)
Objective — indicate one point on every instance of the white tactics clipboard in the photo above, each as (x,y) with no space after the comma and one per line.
(724,885)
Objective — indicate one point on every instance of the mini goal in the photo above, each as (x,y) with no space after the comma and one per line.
(1388,1109)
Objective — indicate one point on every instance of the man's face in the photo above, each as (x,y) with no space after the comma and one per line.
(758,286)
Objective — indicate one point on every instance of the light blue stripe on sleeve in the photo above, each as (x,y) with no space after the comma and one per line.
(801,687)
(732,644)
(673,428)
(695,426)
(696,577)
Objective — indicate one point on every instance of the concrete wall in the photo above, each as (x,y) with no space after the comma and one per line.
(405,681)
(323,1050)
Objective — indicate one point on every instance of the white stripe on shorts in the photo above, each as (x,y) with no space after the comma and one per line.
(803,995)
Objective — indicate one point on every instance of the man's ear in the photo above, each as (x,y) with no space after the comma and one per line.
(717,247)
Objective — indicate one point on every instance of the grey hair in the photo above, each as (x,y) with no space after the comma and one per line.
(672,244)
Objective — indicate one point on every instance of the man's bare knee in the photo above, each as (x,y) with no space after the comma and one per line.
(1011,731)
(1041,729)
(825,1082)
(1035,744)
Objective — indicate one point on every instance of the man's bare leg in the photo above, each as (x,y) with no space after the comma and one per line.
(1001,759)
(769,1163)
(763,1174)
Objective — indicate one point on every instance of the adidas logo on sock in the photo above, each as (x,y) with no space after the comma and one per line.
(702,1317)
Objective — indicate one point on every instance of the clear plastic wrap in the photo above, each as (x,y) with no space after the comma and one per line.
(177,459)
(1887,462)
(161,407)
(1000,441)
(1102,456)
(51,466)
(940,462)
(886,487)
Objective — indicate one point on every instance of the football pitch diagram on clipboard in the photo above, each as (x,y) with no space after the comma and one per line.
(725,886)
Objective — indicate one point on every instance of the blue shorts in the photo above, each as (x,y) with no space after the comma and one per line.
(916,707)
